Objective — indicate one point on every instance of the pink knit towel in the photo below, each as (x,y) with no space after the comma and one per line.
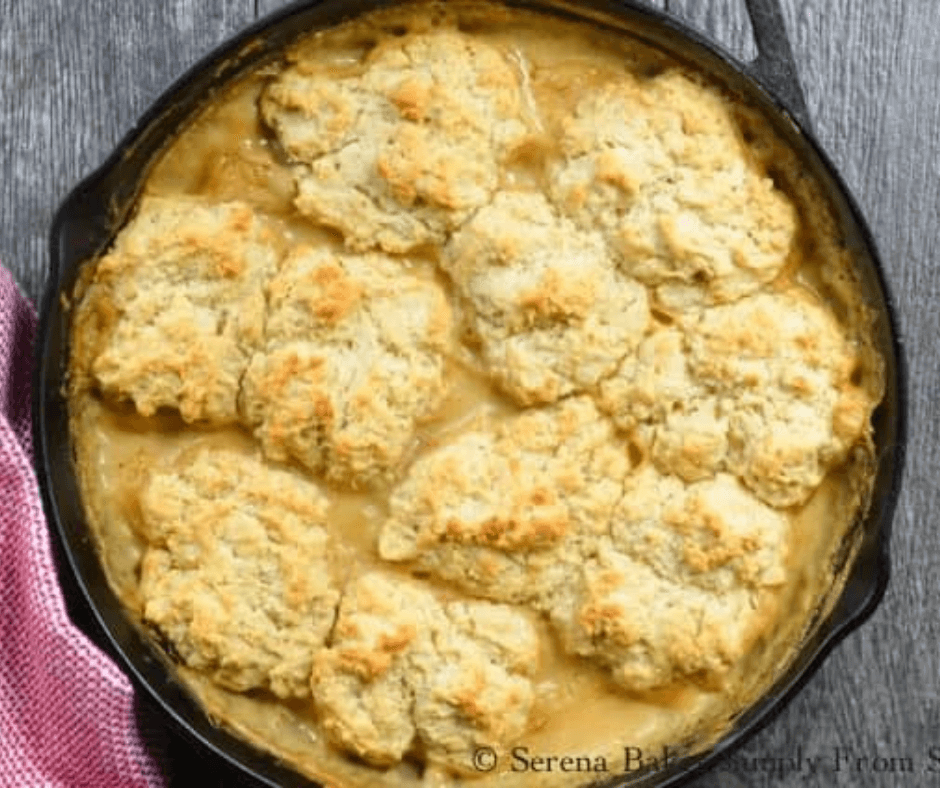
(66,712)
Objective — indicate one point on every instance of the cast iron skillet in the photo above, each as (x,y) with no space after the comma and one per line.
(87,221)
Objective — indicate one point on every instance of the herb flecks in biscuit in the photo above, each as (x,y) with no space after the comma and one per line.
(506,513)
(353,359)
(401,154)
(683,586)
(236,576)
(787,366)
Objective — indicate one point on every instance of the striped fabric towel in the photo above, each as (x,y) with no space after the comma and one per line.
(67,716)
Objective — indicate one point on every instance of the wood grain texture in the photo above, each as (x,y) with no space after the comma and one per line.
(75,76)
(726,23)
(268,6)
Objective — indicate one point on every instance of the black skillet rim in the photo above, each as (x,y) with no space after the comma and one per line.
(88,217)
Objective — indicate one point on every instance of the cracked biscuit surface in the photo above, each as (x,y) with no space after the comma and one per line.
(795,411)
(652,633)
(547,512)
(400,154)
(658,166)
(406,671)
(552,314)
(506,513)
(237,574)
(353,359)
(760,387)
(177,306)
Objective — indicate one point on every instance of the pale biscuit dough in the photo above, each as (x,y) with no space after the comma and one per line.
(649,632)
(693,442)
(522,514)
(658,166)
(760,387)
(654,397)
(681,587)
(551,312)
(786,366)
(650,383)
(402,153)
(353,359)
(236,577)
(504,513)
(405,671)
(177,306)
(711,534)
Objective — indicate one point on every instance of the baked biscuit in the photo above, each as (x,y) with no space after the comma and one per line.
(693,442)
(649,632)
(552,315)
(405,672)
(505,513)
(236,577)
(517,514)
(760,387)
(176,308)
(659,167)
(353,359)
(680,422)
(786,367)
(400,154)
(712,534)
(682,588)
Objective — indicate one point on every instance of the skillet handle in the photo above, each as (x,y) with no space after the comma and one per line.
(774,68)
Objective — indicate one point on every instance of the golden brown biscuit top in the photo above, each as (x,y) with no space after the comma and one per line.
(353,359)
(552,315)
(403,668)
(400,153)
(177,307)
(760,387)
(237,575)
(659,167)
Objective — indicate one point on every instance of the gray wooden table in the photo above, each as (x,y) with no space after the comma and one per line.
(74,76)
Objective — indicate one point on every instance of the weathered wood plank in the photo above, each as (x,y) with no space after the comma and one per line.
(75,77)
(269,6)
(726,23)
